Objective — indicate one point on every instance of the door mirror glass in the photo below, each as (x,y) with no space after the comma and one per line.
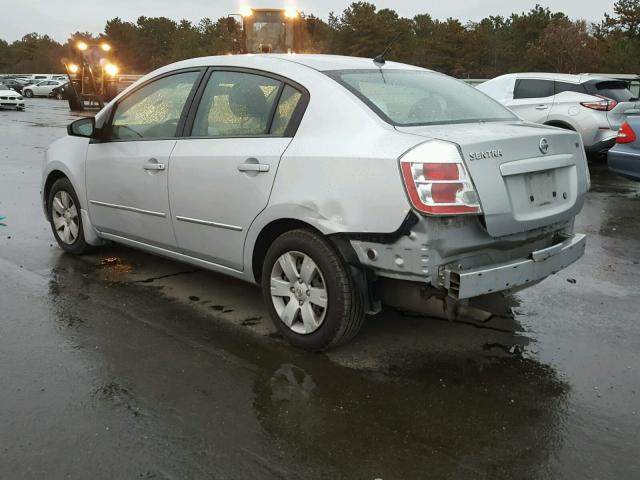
(82,128)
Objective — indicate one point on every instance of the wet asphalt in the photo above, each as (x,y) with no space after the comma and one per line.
(121,365)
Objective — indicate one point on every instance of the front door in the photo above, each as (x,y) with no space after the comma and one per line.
(221,177)
(127,171)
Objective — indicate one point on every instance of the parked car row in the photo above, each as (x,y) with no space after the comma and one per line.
(594,107)
(603,110)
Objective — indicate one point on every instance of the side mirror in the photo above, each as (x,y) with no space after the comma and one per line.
(82,128)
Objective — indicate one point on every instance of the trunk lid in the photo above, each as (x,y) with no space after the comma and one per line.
(520,188)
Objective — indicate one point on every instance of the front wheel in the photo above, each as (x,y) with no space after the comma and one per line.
(65,218)
(59,96)
(28,93)
(310,293)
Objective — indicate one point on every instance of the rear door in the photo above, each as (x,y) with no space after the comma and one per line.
(532,99)
(221,176)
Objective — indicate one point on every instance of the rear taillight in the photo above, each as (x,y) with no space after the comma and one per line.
(604,105)
(626,134)
(437,181)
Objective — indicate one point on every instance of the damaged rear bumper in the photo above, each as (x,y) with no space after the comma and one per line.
(461,283)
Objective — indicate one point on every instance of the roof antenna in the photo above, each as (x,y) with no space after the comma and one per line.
(379,60)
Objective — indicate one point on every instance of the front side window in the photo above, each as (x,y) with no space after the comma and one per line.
(533,88)
(410,97)
(154,110)
(236,104)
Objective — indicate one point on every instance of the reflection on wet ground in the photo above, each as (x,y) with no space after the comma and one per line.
(124,365)
(481,410)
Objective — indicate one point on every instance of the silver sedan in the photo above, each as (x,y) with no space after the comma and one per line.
(338,184)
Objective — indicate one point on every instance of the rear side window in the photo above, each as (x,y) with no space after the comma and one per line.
(569,87)
(615,90)
(236,104)
(247,104)
(287,108)
(533,88)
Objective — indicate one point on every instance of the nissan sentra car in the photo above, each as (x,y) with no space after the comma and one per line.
(338,184)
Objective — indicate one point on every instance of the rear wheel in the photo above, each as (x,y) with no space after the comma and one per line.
(65,218)
(310,294)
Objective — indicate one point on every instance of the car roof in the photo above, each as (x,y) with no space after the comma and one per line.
(340,62)
(562,77)
(316,61)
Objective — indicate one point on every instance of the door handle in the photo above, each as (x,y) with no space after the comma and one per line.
(253,167)
(542,107)
(154,165)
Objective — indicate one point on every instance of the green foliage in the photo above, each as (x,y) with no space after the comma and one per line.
(539,39)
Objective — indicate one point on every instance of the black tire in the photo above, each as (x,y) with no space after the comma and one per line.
(59,96)
(28,93)
(79,245)
(345,313)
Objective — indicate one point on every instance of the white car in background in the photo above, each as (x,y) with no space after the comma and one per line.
(10,98)
(41,89)
(595,107)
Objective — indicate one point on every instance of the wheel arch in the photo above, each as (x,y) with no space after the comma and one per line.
(266,237)
(52,177)
(560,124)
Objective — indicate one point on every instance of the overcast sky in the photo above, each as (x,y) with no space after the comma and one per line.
(60,18)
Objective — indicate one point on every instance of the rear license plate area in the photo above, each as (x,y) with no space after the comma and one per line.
(542,188)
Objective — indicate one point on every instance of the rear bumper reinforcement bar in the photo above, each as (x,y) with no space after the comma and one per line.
(540,264)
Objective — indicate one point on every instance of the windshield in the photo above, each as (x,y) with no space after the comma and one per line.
(413,97)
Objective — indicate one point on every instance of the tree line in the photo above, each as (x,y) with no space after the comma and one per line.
(538,40)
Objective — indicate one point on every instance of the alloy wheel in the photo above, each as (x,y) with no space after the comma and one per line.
(299,292)
(64,214)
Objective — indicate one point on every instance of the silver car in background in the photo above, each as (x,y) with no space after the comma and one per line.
(595,107)
(336,183)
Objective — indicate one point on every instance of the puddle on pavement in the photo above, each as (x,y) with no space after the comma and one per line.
(452,411)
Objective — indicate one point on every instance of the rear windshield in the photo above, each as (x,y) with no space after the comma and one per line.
(615,90)
(410,97)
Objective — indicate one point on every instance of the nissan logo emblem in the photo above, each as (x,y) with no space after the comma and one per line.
(544,146)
